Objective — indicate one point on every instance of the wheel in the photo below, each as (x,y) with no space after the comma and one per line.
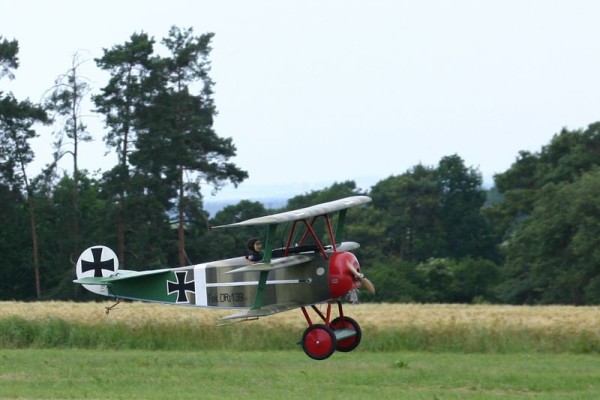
(318,341)
(350,343)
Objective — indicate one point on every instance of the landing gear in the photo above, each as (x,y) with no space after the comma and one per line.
(347,323)
(320,341)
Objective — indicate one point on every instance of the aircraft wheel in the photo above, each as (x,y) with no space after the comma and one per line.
(350,343)
(318,341)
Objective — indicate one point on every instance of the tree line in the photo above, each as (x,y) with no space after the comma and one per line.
(431,234)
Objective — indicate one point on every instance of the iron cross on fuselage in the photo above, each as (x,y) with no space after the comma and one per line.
(181,287)
(97,265)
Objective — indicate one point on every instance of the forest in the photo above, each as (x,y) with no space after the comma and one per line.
(432,234)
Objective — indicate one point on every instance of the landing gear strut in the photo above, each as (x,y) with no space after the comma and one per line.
(109,309)
(320,341)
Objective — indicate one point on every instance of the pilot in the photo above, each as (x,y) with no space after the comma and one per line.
(253,250)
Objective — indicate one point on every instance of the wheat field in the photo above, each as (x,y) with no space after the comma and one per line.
(557,319)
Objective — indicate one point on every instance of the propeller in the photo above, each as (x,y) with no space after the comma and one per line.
(361,277)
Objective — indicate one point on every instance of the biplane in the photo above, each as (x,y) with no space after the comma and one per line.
(310,269)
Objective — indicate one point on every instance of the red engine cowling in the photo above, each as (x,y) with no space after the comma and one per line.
(341,277)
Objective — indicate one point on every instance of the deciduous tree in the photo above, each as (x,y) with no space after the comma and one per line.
(65,103)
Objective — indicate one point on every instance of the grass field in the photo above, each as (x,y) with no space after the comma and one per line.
(147,351)
(141,374)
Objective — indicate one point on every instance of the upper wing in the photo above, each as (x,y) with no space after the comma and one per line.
(303,213)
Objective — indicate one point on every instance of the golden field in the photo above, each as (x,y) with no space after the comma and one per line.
(558,319)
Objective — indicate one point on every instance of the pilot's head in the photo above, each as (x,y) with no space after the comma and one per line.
(254,244)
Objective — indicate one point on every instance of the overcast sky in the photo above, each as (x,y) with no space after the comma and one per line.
(314,92)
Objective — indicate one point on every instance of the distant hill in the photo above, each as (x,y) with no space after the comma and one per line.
(273,196)
(279,194)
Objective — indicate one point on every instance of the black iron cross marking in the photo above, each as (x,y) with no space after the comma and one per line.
(97,265)
(181,287)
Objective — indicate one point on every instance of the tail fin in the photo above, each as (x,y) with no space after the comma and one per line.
(97,262)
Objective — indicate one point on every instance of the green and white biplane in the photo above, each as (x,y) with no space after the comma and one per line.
(307,271)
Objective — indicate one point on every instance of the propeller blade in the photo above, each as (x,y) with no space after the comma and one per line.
(361,277)
(369,285)
(357,275)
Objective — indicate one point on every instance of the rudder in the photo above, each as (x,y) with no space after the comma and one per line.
(98,262)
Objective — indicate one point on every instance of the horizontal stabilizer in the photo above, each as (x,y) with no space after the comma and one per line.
(275,264)
(119,276)
(91,280)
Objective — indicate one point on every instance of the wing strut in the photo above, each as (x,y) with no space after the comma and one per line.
(262,280)
(310,231)
(328,223)
(341,222)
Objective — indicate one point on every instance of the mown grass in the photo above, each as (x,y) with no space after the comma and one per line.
(386,328)
(213,374)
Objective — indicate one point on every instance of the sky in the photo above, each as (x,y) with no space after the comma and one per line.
(316,92)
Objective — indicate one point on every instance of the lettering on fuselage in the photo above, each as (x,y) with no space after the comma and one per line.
(234,297)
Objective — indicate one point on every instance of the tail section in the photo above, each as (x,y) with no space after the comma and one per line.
(97,262)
